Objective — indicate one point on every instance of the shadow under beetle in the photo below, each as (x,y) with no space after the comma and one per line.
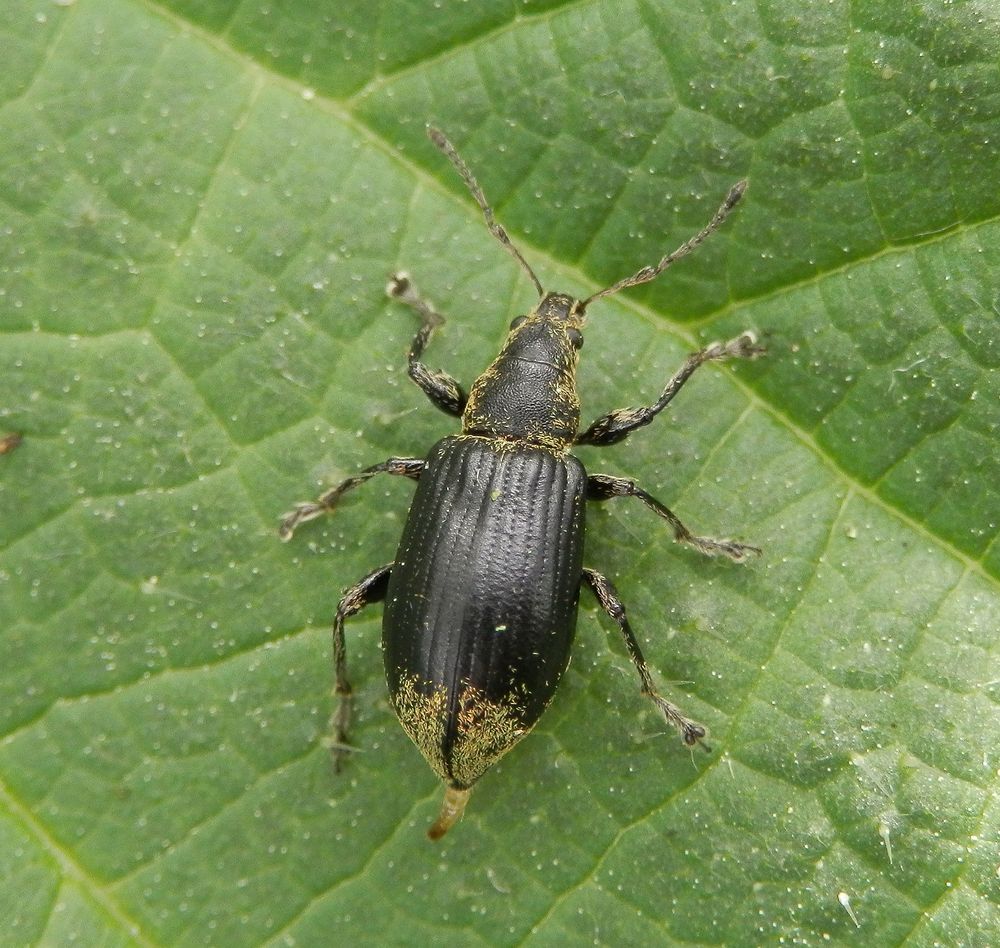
(481,600)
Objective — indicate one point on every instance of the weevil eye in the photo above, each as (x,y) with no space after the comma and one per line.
(514,323)
(575,338)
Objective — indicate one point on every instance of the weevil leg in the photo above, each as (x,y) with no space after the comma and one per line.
(439,387)
(370,589)
(604,487)
(327,501)
(691,732)
(617,425)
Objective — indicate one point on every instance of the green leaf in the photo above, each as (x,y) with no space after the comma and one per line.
(201,203)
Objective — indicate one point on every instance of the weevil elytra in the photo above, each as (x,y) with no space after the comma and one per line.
(481,599)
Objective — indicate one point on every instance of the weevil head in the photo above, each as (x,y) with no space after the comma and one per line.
(529,391)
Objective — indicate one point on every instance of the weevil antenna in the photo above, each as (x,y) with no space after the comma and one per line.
(439,139)
(646,274)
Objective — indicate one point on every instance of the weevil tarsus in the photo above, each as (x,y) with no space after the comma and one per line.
(616,425)
(443,391)
(607,597)
(305,511)
(605,487)
(372,588)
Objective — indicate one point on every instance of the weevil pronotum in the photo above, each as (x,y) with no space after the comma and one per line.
(481,599)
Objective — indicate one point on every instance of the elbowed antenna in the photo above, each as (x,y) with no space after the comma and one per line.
(646,274)
(439,139)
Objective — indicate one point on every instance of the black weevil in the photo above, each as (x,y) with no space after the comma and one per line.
(481,600)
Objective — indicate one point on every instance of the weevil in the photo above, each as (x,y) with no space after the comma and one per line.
(481,599)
